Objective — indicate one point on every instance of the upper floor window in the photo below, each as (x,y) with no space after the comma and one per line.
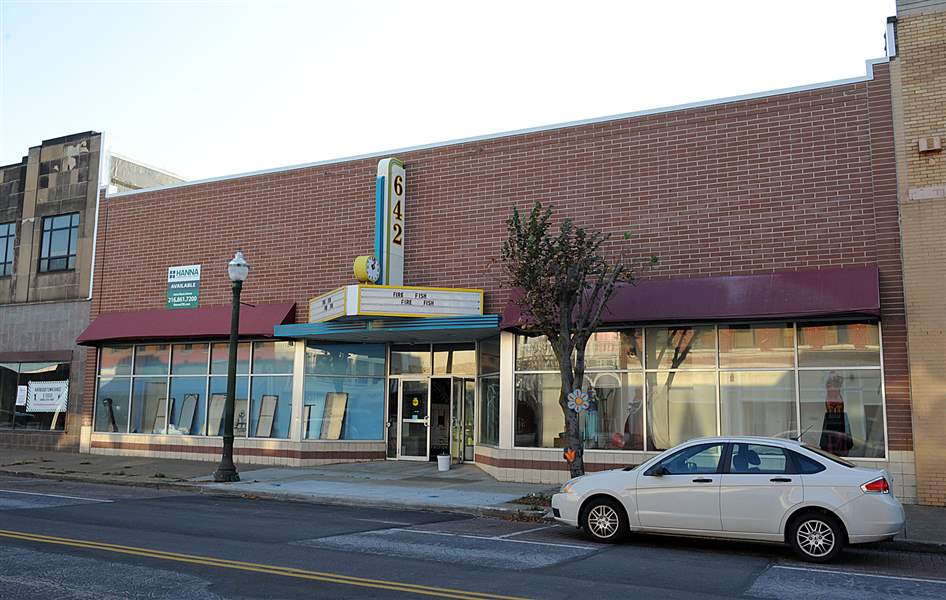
(60,235)
(7,237)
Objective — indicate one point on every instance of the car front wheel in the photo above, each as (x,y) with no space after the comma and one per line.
(604,520)
(816,537)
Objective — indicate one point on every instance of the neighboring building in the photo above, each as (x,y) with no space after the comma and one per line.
(47,231)
(918,72)
(776,306)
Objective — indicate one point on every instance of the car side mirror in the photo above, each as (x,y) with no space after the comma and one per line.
(659,471)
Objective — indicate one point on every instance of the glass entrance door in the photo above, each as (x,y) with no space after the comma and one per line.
(461,419)
(414,424)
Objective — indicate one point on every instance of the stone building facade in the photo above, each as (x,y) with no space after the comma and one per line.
(918,73)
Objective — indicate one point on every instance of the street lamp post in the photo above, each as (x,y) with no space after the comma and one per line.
(237,269)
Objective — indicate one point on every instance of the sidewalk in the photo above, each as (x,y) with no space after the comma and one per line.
(409,485)
(401,484)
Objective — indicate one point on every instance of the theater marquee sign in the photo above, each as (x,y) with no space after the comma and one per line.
(395,301)
(380,291)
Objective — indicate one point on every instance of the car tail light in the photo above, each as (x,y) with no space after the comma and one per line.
(878,486)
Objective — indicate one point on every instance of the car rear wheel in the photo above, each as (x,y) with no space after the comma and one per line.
(816,537)
(604,520)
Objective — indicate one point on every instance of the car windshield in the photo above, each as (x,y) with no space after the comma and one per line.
(829,456)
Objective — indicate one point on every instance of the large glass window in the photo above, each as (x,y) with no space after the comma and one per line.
(489,409)
(757,403)
(455,359)
(488,365)
(181,389)
(411,360)
(60,239)
(822,379)
(681,406)
(842,411)
(34,395)
(7,240)
(345,391)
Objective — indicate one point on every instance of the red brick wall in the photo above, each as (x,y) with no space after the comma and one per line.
(793,181)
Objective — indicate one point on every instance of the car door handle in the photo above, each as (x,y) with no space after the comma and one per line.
(781,479)
(702,480)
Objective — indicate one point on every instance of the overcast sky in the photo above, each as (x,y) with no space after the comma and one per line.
(205,88)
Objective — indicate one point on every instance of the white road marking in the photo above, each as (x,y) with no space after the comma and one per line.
(495,539)
(384,522)
(509,535)
(861,574)
(54,496)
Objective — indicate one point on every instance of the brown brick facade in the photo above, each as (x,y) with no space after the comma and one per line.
(798,180)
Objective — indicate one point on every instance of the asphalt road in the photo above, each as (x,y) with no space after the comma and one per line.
(82,541)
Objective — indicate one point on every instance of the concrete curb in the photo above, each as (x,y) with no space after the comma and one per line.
(501,512)
(156,484)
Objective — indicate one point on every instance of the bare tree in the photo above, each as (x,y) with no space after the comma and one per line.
(565,283)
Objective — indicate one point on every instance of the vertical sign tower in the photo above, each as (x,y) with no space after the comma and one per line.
(390,190)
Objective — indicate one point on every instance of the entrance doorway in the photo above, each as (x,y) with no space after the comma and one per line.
(430,416)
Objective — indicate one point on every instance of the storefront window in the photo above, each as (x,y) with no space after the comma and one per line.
(112,400)
(187,405)
(757,403)
(489,409)
(189,359)
(411,360)
(455,359)
(366,360)
(34,395)
(615,417)
(115,360)
(681,347)
(342,400)
(489,355)
(218,399)
(273,357)
(681,405)
(842,411)
(539,419)
(838,345)
(220,357)
(737,379)
(534,354)
(762,346)
(270,407)
(152,359)
(169,390)
(343,408)
(148,404)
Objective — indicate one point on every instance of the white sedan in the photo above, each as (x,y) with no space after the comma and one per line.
(747,488)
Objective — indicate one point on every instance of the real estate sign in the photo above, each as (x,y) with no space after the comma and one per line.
(183,286)
(47,396)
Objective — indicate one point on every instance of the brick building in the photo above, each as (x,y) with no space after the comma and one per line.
(47,230)
(777,306)
(919,76)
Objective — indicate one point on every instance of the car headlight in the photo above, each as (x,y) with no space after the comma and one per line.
(567,487)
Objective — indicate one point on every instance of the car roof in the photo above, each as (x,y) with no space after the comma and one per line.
(778,441)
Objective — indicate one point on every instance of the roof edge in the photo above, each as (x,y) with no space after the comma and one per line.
(869,65)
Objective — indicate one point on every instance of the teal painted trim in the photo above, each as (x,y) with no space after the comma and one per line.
(379,225)
(392,324)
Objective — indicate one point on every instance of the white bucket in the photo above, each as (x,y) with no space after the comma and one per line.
(443,463)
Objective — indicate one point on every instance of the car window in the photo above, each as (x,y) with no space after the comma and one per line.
(703,458)
(829,456)
(807,466)
(749,459)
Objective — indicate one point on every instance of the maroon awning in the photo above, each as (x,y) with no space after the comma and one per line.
(823,292)
(185,323)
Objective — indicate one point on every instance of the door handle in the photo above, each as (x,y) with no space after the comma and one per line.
(702,480)
(781,479)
